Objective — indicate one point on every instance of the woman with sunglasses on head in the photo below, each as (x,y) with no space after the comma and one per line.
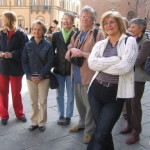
(113,60)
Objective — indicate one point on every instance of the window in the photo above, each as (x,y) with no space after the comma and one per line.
(40,18)
(46,2)
(20,23)
(33,2)
(1,2)
(19,2)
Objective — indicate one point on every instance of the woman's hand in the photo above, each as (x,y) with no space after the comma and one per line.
(2,54)
(8,55)
(35,79)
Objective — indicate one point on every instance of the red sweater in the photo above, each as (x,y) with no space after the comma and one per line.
(10,33)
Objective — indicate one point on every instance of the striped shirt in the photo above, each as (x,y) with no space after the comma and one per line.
(109,78)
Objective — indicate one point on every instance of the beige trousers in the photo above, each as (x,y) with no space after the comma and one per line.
(38,99)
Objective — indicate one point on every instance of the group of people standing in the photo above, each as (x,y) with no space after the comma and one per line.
(111,73)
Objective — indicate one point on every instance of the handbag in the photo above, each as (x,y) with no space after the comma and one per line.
(77,61)
(53,81)
(147,66)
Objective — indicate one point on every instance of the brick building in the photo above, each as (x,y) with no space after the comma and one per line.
(128,8)
(44,10)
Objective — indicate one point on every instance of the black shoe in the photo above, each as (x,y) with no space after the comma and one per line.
(66,121)
(32,127)
(23,119)
(4,121)
(60,120)
(42,128)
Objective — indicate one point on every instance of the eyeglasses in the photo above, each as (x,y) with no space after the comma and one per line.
(85,17)
(109,23)
(66,20)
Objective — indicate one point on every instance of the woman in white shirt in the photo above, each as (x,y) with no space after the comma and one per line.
(113,60)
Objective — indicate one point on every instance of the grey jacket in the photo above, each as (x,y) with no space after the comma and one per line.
(143,53)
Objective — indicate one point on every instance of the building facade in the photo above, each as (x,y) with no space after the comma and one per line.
(44,10)
(129,8)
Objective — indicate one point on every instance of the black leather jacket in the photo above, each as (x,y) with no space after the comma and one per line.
(61,65)
(37,58)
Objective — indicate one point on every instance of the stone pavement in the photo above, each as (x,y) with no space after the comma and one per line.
(15,135)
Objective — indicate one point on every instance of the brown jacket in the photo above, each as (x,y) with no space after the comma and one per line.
(87,45)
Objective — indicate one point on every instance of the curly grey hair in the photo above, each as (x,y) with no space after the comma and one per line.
(90,10)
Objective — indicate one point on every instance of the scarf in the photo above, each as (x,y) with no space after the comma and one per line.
(66,34)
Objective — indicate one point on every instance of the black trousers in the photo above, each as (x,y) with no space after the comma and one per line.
(106,110)
(134,109)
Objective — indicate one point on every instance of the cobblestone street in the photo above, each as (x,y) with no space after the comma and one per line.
(15,135)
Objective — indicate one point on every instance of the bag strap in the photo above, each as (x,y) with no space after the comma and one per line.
(126,39)
(95,34)
(76,34)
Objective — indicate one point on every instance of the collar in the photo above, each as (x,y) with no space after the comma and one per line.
(32,39)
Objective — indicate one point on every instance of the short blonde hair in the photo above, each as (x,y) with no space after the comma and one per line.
(117,16)
(39,22)
(12,19)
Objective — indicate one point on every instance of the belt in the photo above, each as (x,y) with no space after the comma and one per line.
(106,84)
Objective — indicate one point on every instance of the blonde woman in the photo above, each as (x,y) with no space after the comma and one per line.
(113,60)
(12,41)
(37,60)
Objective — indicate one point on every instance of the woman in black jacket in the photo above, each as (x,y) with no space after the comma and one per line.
(62,69)
(12,41)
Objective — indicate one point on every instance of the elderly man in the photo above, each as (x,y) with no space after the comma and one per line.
(81,45)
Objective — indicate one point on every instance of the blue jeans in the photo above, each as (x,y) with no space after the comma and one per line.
(106,110)
(65,81)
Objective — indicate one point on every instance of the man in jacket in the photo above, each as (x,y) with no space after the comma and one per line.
(62,69)
(81,46)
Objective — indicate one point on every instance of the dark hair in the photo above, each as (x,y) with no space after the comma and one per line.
(140,23)
(51,27)
(97,24)
(55,21)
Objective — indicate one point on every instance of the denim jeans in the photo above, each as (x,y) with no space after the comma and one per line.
(65,81)
(106,109)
